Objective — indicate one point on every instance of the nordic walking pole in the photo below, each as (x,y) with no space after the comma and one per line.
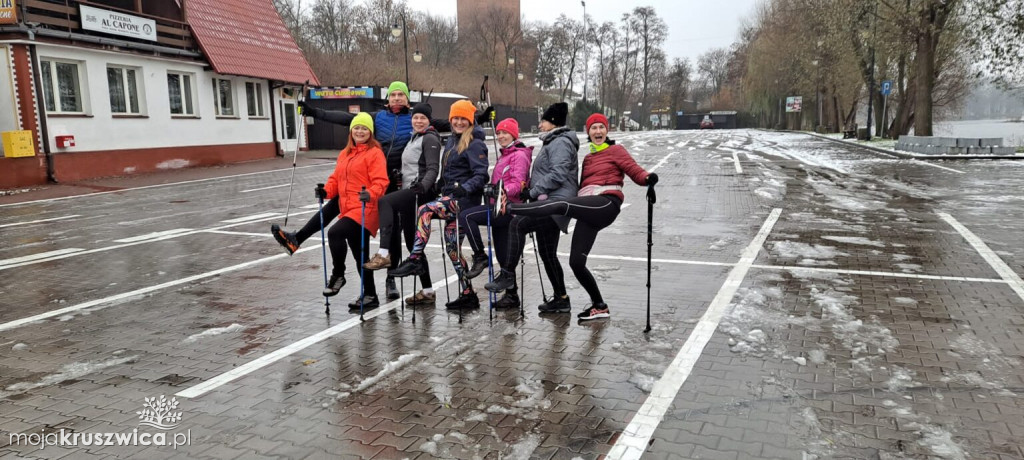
(490,264)
(416,208)
(320,194)
(295,154)
(651,199)
(362,252)
(458,255)
(522,285)
(444,255)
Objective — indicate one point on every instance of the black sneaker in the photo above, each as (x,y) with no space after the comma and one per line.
(465,300)
(286,239)
(480,262)
(504,281)
(510,300)
(409,267)
(369,303)
(556,305)
(392,290)
(334,285)
(596,311)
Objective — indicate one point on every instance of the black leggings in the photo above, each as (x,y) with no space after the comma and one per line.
(401,205)
(312,227)
(473,218)
(349,231)
(592,214)
(547,245)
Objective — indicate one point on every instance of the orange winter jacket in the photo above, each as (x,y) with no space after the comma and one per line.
(362,166)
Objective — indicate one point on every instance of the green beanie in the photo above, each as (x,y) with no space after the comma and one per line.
(362,119)
(399,86)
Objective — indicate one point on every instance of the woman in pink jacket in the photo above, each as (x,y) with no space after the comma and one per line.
(513,171)
(596,205)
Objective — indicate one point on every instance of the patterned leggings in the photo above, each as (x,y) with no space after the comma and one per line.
(444,208)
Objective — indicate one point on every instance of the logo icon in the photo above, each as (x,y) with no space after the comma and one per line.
(147,29)
(160,413)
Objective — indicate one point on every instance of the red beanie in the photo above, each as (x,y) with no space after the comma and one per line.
(509,125)
(597,118)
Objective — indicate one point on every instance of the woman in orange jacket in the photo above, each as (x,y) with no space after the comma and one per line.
(360,165)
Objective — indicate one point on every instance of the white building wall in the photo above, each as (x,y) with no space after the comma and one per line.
(99,129)
(8,109)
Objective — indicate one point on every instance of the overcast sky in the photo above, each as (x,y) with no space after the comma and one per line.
(694,26)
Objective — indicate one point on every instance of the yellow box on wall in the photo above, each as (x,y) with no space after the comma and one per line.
(18,144)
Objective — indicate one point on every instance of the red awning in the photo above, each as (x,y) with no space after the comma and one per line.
(247,38)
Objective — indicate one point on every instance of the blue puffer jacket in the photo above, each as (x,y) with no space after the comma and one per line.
(468,169)
(393,131)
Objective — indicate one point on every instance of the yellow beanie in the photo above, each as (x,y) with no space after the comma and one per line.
(362,119)
(463,109)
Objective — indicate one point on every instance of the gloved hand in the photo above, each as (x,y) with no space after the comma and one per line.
(490,191)
(459,192)
(307,109)
(485,116)
(525,195)
(364,196)
(320,192)
(416,187)
(652,179)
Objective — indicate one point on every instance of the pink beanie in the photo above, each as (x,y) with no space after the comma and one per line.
(509,125)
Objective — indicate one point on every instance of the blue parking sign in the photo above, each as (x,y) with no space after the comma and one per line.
(886,87)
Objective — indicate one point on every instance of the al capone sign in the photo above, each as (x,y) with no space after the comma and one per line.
(8,12)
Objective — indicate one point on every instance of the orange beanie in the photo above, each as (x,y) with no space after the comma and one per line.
(463,109)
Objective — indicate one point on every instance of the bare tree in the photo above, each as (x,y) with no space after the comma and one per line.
(651,32)
(713,68)
(335,23)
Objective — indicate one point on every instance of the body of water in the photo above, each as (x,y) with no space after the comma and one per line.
(1012,132)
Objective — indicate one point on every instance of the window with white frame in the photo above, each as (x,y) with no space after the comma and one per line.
(124,88)
(254,99)
(180,87)
(62,86)
(223,97)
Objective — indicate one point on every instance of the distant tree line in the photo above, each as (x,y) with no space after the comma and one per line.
(349,42)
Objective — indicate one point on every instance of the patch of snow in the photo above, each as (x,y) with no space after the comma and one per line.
(19,347)
(388,369)
(642,381)
(796,249)
(855,240)
(172,164)
(900,379)
(234,327)
(523,449)
(904,301)
(67,372)
(816,356)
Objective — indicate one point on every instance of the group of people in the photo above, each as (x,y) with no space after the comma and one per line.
(395,175)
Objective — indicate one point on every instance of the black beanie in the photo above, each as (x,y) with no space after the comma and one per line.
(556,113)
(423,108)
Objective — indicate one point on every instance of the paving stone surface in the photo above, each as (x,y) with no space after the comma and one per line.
(867,326)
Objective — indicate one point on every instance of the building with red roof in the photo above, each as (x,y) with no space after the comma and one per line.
(114,87)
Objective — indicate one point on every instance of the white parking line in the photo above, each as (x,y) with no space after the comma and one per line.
(1005,272)
(119,246)
(252,217)
(736,162)
(633,441)
(264,188)
(125,295)
(225,232)
(37,257)
(877,273)
(39,221)
(662,162)
(937,166)
(153,236)
(274,356)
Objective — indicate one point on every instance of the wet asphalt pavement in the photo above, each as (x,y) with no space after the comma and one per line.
(809,300)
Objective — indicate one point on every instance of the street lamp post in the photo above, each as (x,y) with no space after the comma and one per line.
(586,50)
(817,95)
(402,31)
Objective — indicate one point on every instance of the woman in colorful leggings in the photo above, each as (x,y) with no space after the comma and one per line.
(596,205)
(463,176)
